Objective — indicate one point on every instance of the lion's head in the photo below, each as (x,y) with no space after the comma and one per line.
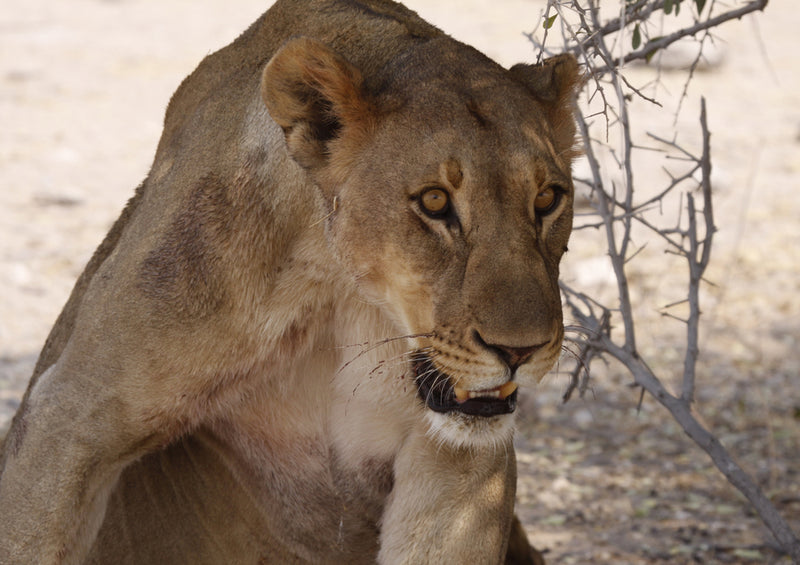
(450,204)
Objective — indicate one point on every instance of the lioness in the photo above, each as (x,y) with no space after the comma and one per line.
(301,341)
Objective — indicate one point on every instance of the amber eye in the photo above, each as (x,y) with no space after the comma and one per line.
(547,200)
(435,201)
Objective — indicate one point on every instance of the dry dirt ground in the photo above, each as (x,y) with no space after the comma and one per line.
(83,86)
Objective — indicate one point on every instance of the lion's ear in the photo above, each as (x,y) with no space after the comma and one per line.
(555,82)
(313,93)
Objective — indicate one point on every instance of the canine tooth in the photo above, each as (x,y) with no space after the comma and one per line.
(461,394)
(506,390)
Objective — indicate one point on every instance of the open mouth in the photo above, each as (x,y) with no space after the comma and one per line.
(439,394)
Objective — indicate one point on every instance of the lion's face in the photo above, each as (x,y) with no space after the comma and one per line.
(451,206)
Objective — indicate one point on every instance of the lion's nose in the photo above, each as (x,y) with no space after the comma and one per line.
(515,356)
(511,356)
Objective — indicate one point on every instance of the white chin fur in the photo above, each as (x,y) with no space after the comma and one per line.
(462,431)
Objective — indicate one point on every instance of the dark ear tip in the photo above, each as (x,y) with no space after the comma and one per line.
(566,61)
(566,67)
(552,79)
(563,60)
(565,70)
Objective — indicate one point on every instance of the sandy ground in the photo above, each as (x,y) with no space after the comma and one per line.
(83,87)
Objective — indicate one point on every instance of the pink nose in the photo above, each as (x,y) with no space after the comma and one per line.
(515,356)
(511,356)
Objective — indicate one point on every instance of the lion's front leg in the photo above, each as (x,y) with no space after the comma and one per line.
(63,455)
(449,505)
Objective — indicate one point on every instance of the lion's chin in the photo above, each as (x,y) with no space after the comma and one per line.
(463,431)
(463,418)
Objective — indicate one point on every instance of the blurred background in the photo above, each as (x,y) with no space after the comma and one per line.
(83,88)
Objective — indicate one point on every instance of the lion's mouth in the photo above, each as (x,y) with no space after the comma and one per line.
(439,394)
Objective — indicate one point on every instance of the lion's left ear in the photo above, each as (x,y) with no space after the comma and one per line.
(555,82)
(313,93)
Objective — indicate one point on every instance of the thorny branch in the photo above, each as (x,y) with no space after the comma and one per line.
(586,40)
(602,47)
(654,45)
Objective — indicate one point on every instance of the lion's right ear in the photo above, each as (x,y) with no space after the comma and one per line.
(314,94)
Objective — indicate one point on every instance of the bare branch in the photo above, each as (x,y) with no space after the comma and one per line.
(606,211)
(698,264)
(599,339)
(617,213)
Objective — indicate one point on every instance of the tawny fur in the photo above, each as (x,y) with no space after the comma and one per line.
(231,380)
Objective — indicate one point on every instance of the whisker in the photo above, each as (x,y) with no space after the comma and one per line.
(570,352)
(367,346)
(387,365)
(580,330)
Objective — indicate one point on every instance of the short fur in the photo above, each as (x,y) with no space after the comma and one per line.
(232,378)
